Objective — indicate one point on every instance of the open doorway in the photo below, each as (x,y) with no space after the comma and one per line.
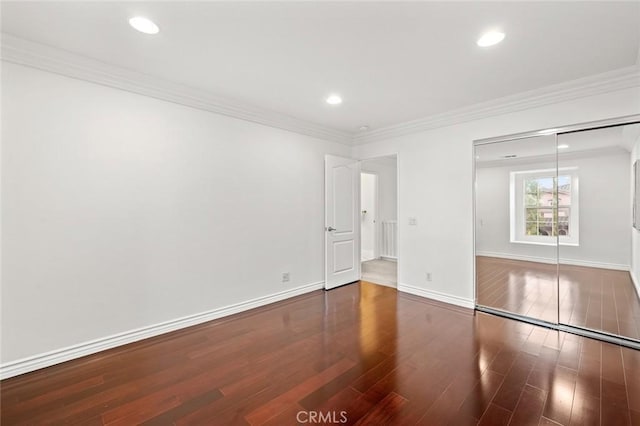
(368,213)
(378,220)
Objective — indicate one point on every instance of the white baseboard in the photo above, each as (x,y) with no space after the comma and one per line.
(574,262)
(47,359)
(380,281)
(436,295)
(389,258)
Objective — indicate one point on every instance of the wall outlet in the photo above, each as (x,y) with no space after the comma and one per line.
(285,277)
(413,221)
(429,276)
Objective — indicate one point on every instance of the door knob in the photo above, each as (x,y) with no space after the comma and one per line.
(331,228)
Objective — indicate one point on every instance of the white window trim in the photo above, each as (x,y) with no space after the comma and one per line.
(517,211)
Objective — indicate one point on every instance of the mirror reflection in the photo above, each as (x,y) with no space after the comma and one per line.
(596,288)
(516,234)
(554,229)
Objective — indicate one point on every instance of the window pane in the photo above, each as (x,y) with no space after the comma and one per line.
(564,215)
(546,198)
(531,186)
(540,192)
(545,184)
(545,214)
(564,190)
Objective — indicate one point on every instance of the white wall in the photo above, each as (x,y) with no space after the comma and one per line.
(436,167)
(121,211)
(603,210)
(635,234)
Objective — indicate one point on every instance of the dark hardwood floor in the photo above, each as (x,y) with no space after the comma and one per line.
(361,353)
(599,299)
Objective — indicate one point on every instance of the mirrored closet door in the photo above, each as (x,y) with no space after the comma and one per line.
(516,244)
(556,240)
(595,171)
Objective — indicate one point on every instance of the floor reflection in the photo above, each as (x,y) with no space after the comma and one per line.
(599,299)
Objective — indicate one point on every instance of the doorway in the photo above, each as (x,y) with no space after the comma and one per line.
(368,212)
(378,220)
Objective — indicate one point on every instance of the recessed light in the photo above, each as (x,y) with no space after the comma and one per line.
(334,99)
(490,38)
(363,128)
(144,25)
(563,146)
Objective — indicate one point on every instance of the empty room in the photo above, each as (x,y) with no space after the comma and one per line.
(292,213)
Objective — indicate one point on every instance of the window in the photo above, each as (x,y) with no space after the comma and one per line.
(544,207)
(540,205)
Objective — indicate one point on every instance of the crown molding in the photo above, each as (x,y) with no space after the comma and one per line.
(619,79)
(47,58)
(36,55)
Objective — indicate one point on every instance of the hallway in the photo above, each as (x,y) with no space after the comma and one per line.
(380,271)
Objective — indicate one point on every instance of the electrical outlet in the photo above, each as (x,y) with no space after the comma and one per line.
(429,276)
(413,221)
(285,277)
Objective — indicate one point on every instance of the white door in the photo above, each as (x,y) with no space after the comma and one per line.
(342,224)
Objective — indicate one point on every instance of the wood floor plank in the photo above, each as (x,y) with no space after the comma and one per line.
(385,411)
(495,416)
(585,410)
(281,402)
(529,408)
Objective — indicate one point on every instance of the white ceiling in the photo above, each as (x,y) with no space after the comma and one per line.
(392,62)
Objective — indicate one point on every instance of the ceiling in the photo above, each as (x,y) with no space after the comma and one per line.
(391,62)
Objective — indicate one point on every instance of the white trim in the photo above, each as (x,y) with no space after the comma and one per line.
(382,282)
(611,81)
(550,260)
(436,295)
(539,243)
(389,258)
(36,55)
(36,362)
(636,282)
(47,58)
